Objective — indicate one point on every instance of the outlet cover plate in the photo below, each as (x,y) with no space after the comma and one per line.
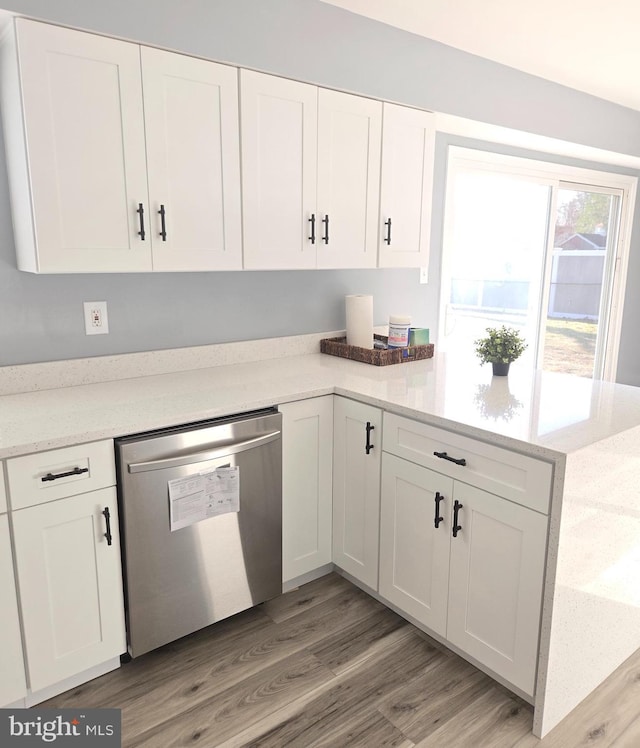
(96,321)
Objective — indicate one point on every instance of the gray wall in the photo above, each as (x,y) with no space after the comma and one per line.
(41,316)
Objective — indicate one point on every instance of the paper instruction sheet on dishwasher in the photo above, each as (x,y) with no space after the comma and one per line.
(197,497)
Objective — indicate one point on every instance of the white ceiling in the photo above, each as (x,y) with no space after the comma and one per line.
(591,45)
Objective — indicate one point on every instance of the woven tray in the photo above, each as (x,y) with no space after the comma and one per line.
(375,356)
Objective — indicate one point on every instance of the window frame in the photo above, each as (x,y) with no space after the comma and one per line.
(555,175)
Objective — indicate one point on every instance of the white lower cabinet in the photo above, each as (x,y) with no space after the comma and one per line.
(356,488)
(307,460)
(495,583)
(12,679)
(414,554)
(70,581)
(467,564)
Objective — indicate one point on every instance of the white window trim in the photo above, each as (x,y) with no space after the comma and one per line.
(469,128)
(553,174)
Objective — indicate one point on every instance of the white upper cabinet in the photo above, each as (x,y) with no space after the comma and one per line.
(126,158)
(75,146)
(106,179)
(310,175)
(408,138)
(193,161)
(279,151)
(349,130)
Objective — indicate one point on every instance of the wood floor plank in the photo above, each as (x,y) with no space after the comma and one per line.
(367,729)
(434,696)
(353,644)
(305,597)
(341,704)
(252,733)
(228,664)
(493,720)
(605,718)
(138,677)
(326,665)
(628,738)
(210,722)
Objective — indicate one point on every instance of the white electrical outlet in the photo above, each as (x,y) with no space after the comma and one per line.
(424,275)
(96,321)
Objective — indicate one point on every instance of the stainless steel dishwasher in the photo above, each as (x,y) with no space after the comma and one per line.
(186,565)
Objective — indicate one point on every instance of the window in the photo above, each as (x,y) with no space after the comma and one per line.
(540,247)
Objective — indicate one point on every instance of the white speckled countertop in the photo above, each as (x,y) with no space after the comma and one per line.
(590,430)
(541,414)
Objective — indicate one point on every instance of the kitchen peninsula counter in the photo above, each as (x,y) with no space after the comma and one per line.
(541,414)
(588,430)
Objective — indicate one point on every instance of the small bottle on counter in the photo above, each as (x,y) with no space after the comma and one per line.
(399,330)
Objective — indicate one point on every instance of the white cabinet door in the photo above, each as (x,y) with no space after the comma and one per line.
(408,138)
(279,150)
(85,171)
(193,161)
(349,132)
(70,585)
(12,680)
(496,578)
(307,461)
(356,489)
(414,553)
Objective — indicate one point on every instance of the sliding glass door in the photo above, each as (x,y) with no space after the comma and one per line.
(495,253)
(581,279)
(527,249)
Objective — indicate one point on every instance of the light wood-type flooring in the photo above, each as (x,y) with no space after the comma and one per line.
(326,665)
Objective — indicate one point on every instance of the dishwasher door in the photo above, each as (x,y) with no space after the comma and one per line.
(177,582)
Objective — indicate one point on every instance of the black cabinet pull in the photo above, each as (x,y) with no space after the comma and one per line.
(368,446)
(140,212)
(445,456)
(163,226)
(457,506)
(52,476)
(107,517)
(438,519)
(387,238)
(312,221)
(325,238)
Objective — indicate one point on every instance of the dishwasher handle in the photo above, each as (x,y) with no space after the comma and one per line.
(210,454)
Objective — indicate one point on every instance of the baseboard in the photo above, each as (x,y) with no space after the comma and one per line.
(37,697)
(310,576)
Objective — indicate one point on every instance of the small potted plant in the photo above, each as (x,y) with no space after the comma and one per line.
(501,346)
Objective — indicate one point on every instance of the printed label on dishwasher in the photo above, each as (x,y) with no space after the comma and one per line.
(197,497)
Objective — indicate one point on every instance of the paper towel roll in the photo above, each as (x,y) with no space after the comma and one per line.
(359,308)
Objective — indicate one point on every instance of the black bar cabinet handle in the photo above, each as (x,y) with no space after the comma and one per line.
(438,519)
(457,506)
(325,238)
(368,446)
(107,517)
(140,212)
(163,226)
(445,456)
(312,221)
(387,238)
(52,476)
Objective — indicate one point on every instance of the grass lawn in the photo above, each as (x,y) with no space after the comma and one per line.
(570,346)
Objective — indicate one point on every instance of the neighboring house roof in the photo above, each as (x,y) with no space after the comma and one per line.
(583,241)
